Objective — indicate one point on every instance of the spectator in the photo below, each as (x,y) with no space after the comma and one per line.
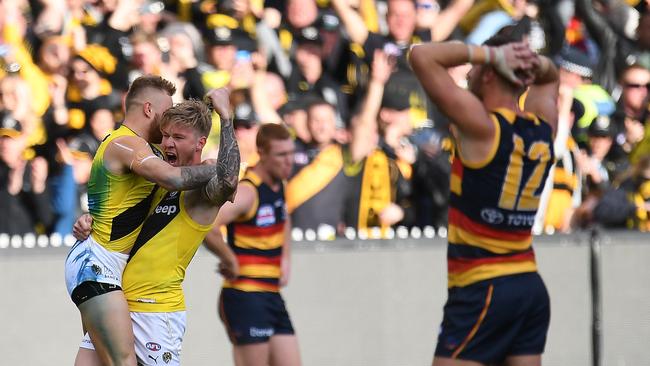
(379,165)
(246,125)
(592,164)
(318,180)
(89,91)
(617,51)
(633,142)
(223,44)
(627,204)
(294,114)
(308,77)
(24,199)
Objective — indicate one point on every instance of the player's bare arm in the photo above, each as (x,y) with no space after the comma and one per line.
(544,92)
(285,264)
(223,185)
(466,111)
(243,204)
(364,128)
(132,153)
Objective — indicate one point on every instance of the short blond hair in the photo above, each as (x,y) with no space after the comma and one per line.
(191,113)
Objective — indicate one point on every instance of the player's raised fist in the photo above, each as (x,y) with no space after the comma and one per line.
(219,99)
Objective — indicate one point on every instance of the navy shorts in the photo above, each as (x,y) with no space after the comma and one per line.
(493,319)
(253,317)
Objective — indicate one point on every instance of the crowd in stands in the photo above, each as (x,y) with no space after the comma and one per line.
(372,150)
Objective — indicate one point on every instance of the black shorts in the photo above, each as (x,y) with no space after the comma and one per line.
(253,317)
(89,289)
(493,319)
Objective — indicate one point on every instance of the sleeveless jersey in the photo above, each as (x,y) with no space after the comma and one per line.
(118,204)
(162,251)
(257,239)
(493,203)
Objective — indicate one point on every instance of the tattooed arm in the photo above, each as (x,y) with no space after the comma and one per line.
(223,185)
(133,154)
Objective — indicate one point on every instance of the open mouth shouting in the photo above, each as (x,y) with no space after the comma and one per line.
(171,158)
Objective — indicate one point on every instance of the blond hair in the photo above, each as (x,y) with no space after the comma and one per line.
(191,113)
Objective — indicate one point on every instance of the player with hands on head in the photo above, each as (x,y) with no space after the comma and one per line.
(498,309)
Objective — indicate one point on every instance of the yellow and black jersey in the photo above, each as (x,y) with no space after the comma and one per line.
(493,203)
(640,197)
(162,251)
(118,203)
(316,192)
(258,238)
(374,183)
(566,187)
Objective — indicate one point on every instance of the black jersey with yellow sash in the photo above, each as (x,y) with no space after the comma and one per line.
(162,251)
(493,203)
(316,192)
(375,182)
(257,239)
(118,203)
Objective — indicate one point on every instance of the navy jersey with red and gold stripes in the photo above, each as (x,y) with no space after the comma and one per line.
(257,239)
(493,203)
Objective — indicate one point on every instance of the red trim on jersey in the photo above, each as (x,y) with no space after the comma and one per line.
(260,284)
(459,265)
(252,230)
(245,259)
(457,167)
(460,220)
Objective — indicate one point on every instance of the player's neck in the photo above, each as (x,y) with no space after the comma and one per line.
(265,176)
(493,101)
(139,129)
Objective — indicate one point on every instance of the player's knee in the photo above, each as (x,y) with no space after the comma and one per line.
(123,358)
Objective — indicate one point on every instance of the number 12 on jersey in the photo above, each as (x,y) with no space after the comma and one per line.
(512,194)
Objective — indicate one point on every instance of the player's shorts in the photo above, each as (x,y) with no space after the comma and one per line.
(493,319)
(158,337)
(97,268)
(253,317)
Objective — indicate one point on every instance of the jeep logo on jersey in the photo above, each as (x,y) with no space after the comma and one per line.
(491,216)
(151,346)
(167,210)
(265,216)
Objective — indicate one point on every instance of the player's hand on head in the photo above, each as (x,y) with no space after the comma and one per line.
(515,62)
(220,101)
(81,227)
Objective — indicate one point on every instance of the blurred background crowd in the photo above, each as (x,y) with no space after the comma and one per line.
(372,151)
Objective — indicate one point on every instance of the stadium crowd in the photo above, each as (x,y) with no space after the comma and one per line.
(372,150)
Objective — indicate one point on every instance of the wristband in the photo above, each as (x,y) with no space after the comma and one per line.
(484,49)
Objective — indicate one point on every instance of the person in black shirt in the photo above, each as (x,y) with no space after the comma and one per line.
(24,199)
(308,77)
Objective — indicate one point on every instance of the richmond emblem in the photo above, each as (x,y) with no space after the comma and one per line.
(167,356)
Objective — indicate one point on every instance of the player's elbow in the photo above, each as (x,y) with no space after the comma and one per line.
(223,191)
(170,184)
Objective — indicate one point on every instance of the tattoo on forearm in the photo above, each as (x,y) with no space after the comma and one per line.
(193,177)
(222,186)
